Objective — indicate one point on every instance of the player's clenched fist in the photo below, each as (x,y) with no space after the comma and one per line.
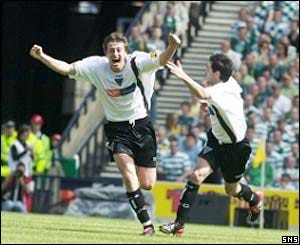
(174,39)
(36,51)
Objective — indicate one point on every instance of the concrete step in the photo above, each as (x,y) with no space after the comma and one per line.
(232,3)
(223,14)
(218,21)
(165,111)
(172,99)
(219,28)
(226,7)
(221,35)
(177,94)
(197,51)
(205,45)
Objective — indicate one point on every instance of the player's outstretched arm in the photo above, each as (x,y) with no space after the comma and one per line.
(165,56)
(195,88)
(58,66)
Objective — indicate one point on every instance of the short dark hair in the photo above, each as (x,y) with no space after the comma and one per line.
(221,63)
(23,128)
(115,37)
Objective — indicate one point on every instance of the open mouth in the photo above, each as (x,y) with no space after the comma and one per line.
(115,61)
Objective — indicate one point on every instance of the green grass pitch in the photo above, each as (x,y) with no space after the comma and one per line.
(56,229)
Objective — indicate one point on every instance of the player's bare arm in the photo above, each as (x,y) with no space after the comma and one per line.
(58,66)
(165,56)
(196,89)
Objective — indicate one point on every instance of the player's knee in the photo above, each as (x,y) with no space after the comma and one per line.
(147,187)
(198,176)
(230,191)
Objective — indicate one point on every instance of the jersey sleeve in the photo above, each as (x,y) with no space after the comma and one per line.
(214,94)
(147,62)
(86,67)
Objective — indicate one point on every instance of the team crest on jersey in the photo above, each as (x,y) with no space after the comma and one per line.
(153,54)
(119,81)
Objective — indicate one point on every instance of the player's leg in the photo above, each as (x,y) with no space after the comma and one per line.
(146,176)
(188,197)
(235,158)
(244,192)
(127,168)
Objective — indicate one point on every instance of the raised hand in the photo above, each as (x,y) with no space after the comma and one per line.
(174,39)
(36,51)
(176,69)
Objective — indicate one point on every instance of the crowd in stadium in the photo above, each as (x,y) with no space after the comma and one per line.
(265,51)
(264,48)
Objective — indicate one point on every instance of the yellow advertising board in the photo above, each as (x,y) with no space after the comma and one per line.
(167,196)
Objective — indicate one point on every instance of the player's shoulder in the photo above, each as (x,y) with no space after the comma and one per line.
(96,59)
(142,54)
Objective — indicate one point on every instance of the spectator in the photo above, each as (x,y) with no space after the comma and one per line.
(185,118)
(250,61)
(264,91)
(273,158)
(293,122)
(276,114)
(292,51)
(279,145)
(288,88)
(163,143)
(292,71)
(287,135)
(275,25)
(7,138)
(181,11)
(171,22)
(14,190)
(268,118)
(70,165)
(263,56)
(189,147)
(254,91)
(253,32)
(135,40)
(21,151)
(175,166)
(282,104)
(246,79)
(241,44)
(240,22)
(234,56)
(282,54)
(285,183)
(269,79)
(290,169)
(40,143)
(184,131)
(195,108)
(249,106)
(275,68)
(155,41)
(172,124)
(200,134)
(295,153)
(294,34)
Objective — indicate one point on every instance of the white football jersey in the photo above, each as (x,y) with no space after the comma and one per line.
(226,107)
(121,98)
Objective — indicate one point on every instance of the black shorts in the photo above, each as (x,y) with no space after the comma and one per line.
(230,158)
(137,141)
